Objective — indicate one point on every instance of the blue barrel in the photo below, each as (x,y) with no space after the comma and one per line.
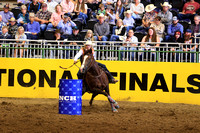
(70,97)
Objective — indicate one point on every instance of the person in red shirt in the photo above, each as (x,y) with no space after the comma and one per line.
(189,10)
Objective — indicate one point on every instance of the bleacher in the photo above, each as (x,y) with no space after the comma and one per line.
(49,35)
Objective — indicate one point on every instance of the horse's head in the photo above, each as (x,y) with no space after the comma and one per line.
(87,61)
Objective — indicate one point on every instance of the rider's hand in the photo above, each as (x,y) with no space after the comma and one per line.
(75,62)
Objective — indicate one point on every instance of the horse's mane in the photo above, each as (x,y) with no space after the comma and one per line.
(88,52)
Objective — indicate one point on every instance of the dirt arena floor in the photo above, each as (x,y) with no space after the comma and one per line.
(41,115)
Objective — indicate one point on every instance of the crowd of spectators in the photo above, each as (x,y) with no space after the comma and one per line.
(115,20)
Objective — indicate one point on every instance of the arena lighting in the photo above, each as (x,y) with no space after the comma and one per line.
(158,82)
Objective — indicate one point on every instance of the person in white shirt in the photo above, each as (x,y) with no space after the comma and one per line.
(108,2)
(137,9)
(130,44)
(51,4)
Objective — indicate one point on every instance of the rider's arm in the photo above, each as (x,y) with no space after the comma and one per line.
(78,55)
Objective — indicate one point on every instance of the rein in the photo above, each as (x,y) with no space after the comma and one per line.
(70,66)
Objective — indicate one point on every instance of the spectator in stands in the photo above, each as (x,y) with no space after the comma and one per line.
(75,36)
(128,20)
(172,28)
(23,2)
(55,17)
(33,6)
(4,43)
(1,24)
(175,46)
(126,4)
(6,14)
(165,14)
(66,26)
(43,17)
(137,9)
(110,16)
(68,6)
(119,31)
(159,27)
(102,9)
(23,17)
(148,18)
(33,27)
(5,34)
(101,29)
(119,10)
(108,2)
(80,9)
(188,39)
(151,37)
(89,36)
(130,43)
(196,26)
(57,44)
(12,30)
(189,10)
(58,1)
(93,4)
(177,38)
(20,36)
(51,4)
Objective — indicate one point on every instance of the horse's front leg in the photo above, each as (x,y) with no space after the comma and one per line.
(113,103)
(92,98)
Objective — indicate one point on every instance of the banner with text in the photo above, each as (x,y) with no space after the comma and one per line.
(138,81)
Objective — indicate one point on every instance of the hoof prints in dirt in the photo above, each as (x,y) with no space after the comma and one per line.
(5,103)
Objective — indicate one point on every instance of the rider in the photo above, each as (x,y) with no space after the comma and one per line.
(88,46)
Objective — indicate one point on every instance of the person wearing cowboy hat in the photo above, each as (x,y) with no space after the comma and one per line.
(128,20)
(6,14)
(88,47)
(148,18)
(165,14)
(12,27)
(101,29)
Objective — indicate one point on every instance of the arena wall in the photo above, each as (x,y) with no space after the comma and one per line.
(138,81)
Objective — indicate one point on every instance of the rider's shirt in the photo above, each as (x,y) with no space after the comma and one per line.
(81,52)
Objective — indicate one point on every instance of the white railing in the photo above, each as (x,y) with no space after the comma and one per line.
(52,49)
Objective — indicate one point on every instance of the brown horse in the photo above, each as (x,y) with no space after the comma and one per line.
(96,80)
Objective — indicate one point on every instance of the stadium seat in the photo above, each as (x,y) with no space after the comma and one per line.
(83,33)
(178,4)
(91,23)
(185,24)
(49,35)
(78,23)
(158,3)
(174,11)
(139,35)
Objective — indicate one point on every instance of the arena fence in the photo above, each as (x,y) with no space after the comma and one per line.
(115,51)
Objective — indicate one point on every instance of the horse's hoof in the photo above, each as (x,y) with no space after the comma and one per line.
(116,105)
(115,110)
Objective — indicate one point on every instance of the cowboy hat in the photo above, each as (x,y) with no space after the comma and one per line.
(128,11)
(12,19)
(150,8)
(89,43)
(166,4)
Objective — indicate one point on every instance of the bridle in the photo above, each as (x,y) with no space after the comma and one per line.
(90,65)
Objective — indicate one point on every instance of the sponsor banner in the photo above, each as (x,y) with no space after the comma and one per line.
(138,81)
